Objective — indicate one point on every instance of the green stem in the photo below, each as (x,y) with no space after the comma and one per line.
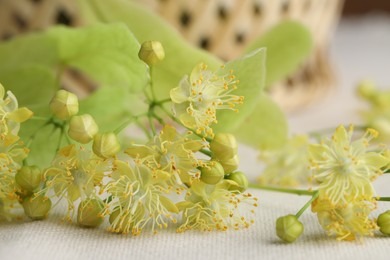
(60,139)
(383,199)
(123,126)
(284,190)
(151,83)
(163,101)
(159,119)
(304,208)
(205,152)
(40,118)
(143,128)
(152,126)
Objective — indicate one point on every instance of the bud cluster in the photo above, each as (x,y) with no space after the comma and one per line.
(83,128)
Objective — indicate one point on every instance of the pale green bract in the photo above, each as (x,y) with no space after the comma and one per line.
(181,57)
(288,45)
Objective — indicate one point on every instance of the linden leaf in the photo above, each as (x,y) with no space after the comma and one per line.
(33,86)
(180,56)
(250,71)
(45,144)
(111,107)
(265,127)
(30,49)
(288,44)
(106,53)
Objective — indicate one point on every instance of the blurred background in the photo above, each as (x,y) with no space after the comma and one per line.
(350,37)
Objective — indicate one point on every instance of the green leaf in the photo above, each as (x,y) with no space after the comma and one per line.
(111,107)
(106,53)
(288,44)
(43,148)
(180,56)
(31,49)
(33,85)
(266,127)
(250,71)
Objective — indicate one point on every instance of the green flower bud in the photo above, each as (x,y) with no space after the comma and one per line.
(29,178)
(106,145)
(366,89)
(240,179)
(383,222)
(231,164)
(212,173)
(288,228)
(151,52)
(89,213)
(224,146)
(82,128)
(64,104)
(36,207)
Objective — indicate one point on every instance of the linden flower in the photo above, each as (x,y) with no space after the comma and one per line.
(213,207)
(345,168)
(286,166)
(198,97)
(348,222)
(75,172)
(11,157)
(10,115)
(170,152)
(138,199)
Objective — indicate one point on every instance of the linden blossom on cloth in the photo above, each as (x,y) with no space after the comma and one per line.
(198,97)
(344,168)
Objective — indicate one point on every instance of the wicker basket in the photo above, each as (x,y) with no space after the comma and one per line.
(223,27)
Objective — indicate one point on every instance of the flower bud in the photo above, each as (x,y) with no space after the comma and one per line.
(82,128)
(366,89)
(288,228)
(29,177)
(231,164)
(89,213)
(151,52)
(224,146)
(240,179)
(106,145)
(36,207)
(212,173)
(383,222)
(64,104)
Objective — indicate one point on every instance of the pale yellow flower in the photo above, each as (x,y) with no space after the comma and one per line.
(199,96)
(214,207)
(74,174)
(138,199)
(347,222)
(345,168)
(172,153)
(10,115)
(12,155)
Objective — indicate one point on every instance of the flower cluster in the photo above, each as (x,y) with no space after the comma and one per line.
(344,169)
(12,153)
(151,185)
(199,96)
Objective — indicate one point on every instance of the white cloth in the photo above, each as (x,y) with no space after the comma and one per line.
(361,48)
